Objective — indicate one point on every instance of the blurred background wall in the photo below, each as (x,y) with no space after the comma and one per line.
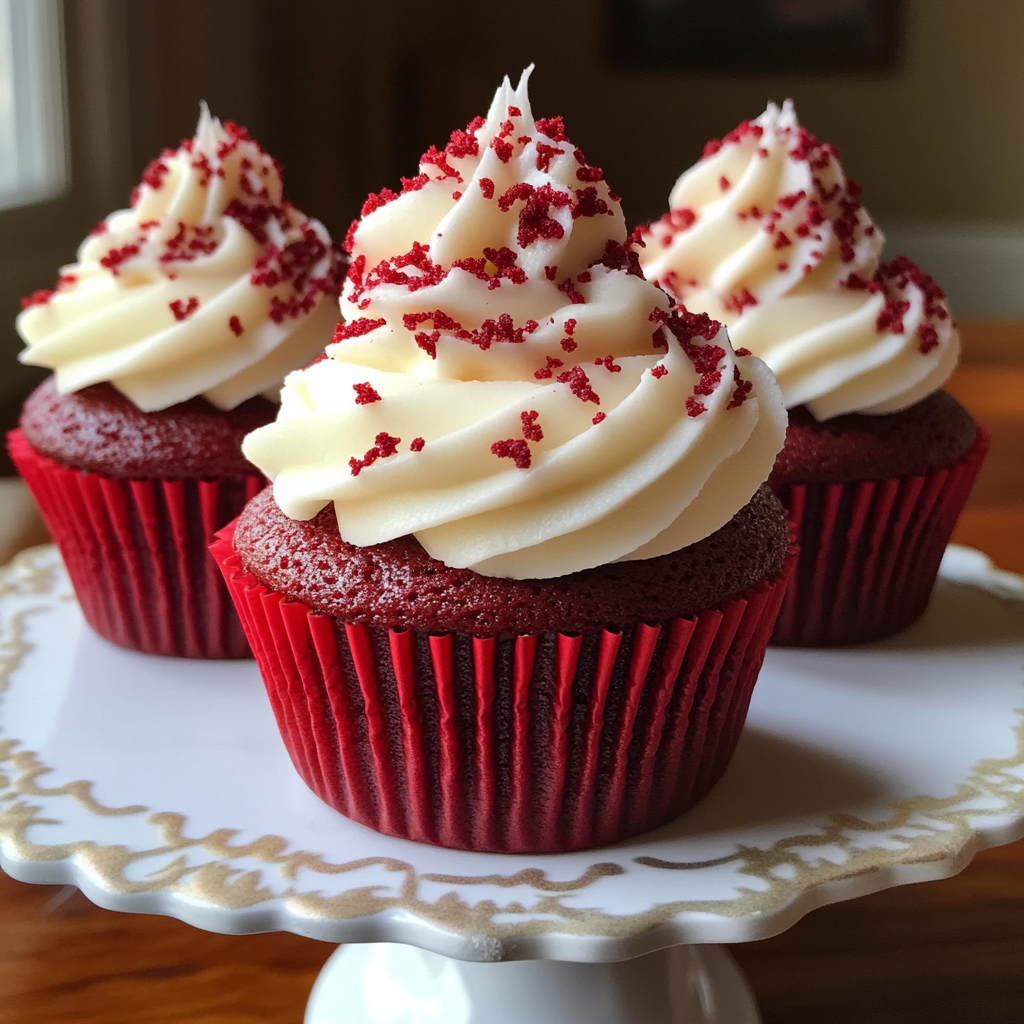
(348,95)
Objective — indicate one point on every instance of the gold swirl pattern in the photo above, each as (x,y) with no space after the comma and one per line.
(936,833)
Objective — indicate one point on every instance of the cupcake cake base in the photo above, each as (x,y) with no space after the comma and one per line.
(540,742)
(870,551)
(136,553)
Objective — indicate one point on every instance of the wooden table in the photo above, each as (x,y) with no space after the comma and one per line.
(949,951)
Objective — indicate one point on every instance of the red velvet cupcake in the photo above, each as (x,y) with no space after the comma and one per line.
(489,713)
(873,500)
(180,313)
(767,233)
(515,579)
(132,500)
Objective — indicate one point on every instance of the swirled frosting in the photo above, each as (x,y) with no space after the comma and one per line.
(766,233)
(211,283)
(507,386)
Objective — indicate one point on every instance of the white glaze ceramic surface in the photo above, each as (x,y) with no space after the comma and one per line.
(161,786)
(386,983)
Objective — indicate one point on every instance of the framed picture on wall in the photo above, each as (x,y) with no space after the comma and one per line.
(732,36)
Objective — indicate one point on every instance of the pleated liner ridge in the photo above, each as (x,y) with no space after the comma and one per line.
(137,553)
(870,551)
(535,743)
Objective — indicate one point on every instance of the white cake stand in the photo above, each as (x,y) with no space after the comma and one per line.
(159,785)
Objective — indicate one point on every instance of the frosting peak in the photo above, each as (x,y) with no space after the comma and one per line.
(210,284)
(767,233)
(506,385)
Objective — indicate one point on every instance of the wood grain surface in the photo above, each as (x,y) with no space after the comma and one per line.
(948,951)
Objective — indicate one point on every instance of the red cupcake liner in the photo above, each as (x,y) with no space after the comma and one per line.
(137,553)
(536,743)
(869,551)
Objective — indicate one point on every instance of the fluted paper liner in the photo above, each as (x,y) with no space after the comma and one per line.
(137,553)
(535,743)
(869,551)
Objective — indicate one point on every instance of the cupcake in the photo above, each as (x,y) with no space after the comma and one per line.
(513,583)
(169,339)
(768,234)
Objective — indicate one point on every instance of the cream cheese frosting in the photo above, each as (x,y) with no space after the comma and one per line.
(210,284)
(767,234)
(507,386)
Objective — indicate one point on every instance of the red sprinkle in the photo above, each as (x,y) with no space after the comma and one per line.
(571,292)
(514,448)
(737,303)
(742,352)
(236,326)
(113,260)
(929,338)
(535,220)
(891,316)
(531,428)
(741,131)
(366,394)
(609,364)
(434,158)
(694,407)
(742,390)
(356,328)
(682,219)
(350,236)
(659,371)
(37,298)
(579,384)
(548,369)
(385,446)
(723,183)
(599,418)
(504,150)
(375,200)
(552,127)
(416,444)
(589,204)
(487,188)
(545,154)
(183,311)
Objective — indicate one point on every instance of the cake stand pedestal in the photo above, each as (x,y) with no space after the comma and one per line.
(161,786)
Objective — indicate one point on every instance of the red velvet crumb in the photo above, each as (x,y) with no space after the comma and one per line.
(531,428)
(182,310)
(366,394)
(547,371)
(552,127)
(579,384)
(356,328)
(514,448)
